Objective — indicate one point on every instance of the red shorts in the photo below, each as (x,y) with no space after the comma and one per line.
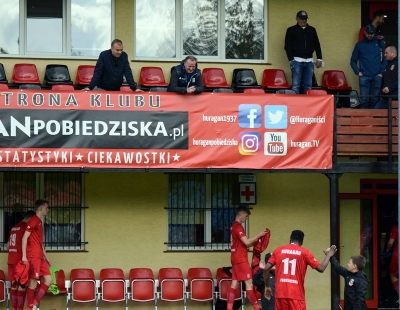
(241,272)
(394,267)
(39,267)
(11,272)
(289,304)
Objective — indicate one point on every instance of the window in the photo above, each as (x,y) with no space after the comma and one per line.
(201,209)
(210,29)
(63,225)
(55,27)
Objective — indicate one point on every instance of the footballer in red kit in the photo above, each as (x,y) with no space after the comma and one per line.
(33,251)
(241,270)
(394,263)
(17,293)
(291,263)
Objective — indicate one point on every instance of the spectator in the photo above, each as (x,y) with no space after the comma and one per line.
(355,282)
(33,251)
(17,293)
(291,263)
(110,69)
(371,64)
(241,270)
(186,77)
(258,280)
(390,78)
(301,41)
(394,267)
(377,20)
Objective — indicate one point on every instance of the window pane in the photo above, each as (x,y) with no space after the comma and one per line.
(44,26)
(9,27)
(200,27)
(90,27)
(244,29)
(155,28)
(19,196)
(186,204)
(63,222)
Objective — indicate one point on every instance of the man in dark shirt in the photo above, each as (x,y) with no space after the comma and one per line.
(301,41)
(186,77)
(110,69)
(390,78)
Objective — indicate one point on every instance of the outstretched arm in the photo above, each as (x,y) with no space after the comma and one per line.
(328,254)
(268,289)
(250,241)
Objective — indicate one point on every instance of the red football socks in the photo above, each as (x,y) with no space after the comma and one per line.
(14,299)
(253,299)
(230,298)
(40,293)
(30,295)
(21,300)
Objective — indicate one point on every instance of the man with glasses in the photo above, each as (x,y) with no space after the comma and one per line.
(186,77)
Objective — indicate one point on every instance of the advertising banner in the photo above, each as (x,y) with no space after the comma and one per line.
(164,130)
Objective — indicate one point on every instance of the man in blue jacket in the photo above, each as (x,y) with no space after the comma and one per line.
(110,69)
(371,65)
(186,77)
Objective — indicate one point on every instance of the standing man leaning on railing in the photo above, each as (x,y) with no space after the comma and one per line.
(390,78)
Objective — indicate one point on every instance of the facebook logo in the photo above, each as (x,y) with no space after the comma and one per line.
(250,116)
(276,116)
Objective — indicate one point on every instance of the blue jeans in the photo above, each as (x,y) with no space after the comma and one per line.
(369,85)
(302,73)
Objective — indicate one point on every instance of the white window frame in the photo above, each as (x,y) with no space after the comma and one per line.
(66,32)
(221,37)
(207,223)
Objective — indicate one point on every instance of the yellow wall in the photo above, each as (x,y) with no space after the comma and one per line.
(337,24)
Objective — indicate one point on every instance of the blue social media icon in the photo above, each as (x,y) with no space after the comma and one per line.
(276,116)
(250,116)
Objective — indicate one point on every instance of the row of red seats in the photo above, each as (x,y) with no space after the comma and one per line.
(243,78)
(142,286)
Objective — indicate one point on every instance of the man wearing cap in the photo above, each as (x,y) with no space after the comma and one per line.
(378,18)
(371,65)
(301,41)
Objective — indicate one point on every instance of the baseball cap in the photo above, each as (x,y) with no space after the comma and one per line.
(302,14)
(370,28)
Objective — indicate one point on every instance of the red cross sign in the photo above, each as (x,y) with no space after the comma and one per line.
(247,193)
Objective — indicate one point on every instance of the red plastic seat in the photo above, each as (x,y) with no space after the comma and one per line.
(253,91)
(125,88)
(142,284)
(214,78)
(25,74)
(83,285)
(334,80)
(84,74)
(274,79)
(62,87)
(3,292)
(112,284)
(172,285)
(201,284)
(3,86)
(151,77)
(224,283)
(316,92)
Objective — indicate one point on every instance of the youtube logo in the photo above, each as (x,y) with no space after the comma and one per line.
(275,143)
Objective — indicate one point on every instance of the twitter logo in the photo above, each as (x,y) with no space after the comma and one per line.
(275,116)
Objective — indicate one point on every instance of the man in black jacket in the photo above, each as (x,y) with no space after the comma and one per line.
(110,69)
(301,41)
(390,78)
(186,77)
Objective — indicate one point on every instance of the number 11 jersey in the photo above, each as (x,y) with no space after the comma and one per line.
(291,263)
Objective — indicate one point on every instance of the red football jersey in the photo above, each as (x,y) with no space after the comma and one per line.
(15,243)
(238,248)
(291,263)
(394,235)
(34,247)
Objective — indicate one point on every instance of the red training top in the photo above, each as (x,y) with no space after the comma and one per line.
(291,262)
(238,248)
(34,248)
(15,243)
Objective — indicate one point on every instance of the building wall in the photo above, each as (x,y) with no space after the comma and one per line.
(337,36)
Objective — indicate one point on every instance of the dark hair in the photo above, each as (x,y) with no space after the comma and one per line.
(359,261)
(297,235)
(243,208)
(191,58)
(28,214)
(377,13)
(116,41)
(40,202)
